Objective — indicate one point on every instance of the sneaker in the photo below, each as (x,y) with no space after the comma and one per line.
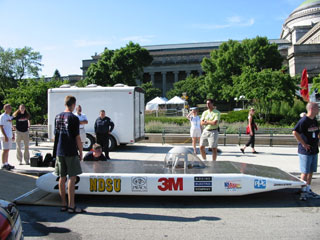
(6,167)
(242,150)
(10,166)
(311,194)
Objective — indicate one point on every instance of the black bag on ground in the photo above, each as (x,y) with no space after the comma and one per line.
(47,160)
(36,161)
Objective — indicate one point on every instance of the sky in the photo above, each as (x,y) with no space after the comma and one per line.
(65,32)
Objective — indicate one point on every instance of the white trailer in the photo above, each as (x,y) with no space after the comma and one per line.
(123,104)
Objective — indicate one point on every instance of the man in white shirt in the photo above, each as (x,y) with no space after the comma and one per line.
(83,120)
(6,136)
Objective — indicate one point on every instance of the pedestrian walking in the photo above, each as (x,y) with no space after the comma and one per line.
(252,130)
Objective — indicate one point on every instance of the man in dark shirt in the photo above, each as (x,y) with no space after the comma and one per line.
(68,160)
(307,134)
(96,154)
(103,128)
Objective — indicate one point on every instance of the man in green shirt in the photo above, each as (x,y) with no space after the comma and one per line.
(210,135)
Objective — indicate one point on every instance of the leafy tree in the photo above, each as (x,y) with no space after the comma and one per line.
(230,60)
(315,84)
(124,65)
(193,86)
(56,75)
(150,91)
(265,88)
(15,65)
(33,94)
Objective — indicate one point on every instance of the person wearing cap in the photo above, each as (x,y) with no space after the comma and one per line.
(195,129)
(210,121)
(253,127)
(103,128)
(83,120)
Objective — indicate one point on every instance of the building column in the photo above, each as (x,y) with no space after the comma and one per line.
(152,77)
(176,76)
(188,73)
(164,83)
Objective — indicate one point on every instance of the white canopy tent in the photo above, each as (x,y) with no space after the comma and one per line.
(153,105)
(176,100)
(177,103)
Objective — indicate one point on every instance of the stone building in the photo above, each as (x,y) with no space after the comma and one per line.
(302,30)
(299,44)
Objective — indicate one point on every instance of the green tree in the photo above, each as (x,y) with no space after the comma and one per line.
(315,84)
(230,60)
(193,87)
(15,65)
(33,94)
(150,91)
(56,75)
(124,65)
(265,88)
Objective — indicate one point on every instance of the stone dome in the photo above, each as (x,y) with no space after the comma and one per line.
(306,15)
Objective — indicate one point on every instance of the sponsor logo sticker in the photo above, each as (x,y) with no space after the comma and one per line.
(282,184)
(109,184)
(170,184)
(139,184)
(232,185)
(260,184)
(203,184)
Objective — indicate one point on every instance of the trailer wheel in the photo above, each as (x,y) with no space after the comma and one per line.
(112,143)
(87,145)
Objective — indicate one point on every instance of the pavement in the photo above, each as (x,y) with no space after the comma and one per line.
(277,214)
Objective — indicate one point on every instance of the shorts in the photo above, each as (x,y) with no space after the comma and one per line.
(195,132)
(308,163)
(209,138)
(67,166)
(83,135)
(6,145)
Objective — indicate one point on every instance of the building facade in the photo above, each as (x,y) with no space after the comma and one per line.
(299,44)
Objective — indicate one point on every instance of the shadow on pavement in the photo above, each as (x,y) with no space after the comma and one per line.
(285,198)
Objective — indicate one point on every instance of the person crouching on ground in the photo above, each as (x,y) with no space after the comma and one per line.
(96,154)
(6,136)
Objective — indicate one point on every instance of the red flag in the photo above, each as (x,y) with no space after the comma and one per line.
(304,85)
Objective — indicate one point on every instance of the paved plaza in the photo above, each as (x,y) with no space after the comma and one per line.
(278,214)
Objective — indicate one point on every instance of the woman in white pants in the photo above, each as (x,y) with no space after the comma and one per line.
(195,130)
(22,118)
